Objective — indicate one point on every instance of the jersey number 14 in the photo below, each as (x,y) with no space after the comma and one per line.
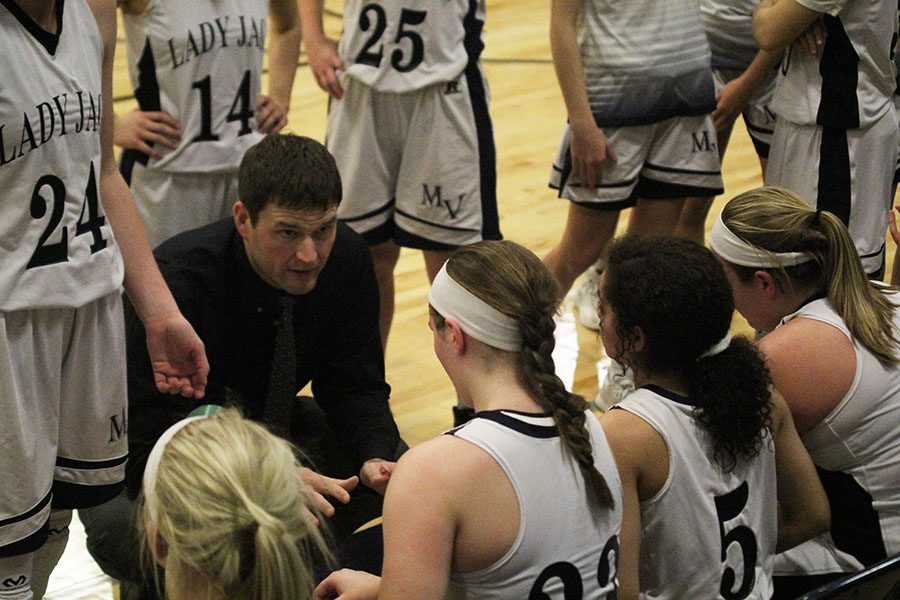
(241,109)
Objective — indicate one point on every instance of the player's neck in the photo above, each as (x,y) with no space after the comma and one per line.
(496,388)
(672,382)
(41,12)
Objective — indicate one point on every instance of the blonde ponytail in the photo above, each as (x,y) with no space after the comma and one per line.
(776,220)
(234,514)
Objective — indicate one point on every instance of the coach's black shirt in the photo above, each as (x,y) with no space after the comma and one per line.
(234,312)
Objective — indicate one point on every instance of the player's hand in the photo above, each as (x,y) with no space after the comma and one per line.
(271,116)
(812,40)
(325,64)
(138,129)
(375,473)
(318,486)
(892,225)
(347,584)
(177,356)
(730,102)
(591,154)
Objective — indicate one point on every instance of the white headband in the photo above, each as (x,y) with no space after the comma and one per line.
(150,471)
(733,249)
(718,347)
(477,318)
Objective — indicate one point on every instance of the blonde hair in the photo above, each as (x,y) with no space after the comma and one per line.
(234,514)
(777,220)
(515,282)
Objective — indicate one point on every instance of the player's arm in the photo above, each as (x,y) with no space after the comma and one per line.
(321,50)
(777,23)
(283,54)
(828,368)
(734,95)
(145,131)
(895,235)
(421,518)
(643,463)
(803,509)
(590,149)
(420,521)
(177,354)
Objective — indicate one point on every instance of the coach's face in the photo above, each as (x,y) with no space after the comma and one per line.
(287,248)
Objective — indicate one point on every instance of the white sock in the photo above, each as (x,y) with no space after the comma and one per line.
(15,577)
(48,555)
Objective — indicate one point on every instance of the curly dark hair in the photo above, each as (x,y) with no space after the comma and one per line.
(676,293)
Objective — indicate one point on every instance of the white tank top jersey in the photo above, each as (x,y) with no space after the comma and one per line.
(850,82)
(201,62)
(729,29)
(645,62)
(394,46)
(856,450)
(563,548)
(706,533)
(56,246)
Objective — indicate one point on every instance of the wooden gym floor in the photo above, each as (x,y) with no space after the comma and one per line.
(528,116)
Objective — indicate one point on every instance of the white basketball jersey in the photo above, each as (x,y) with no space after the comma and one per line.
(56,246)
(645,62)
(563,549)
(401,46)
(706,533)
(201,62)
(849,83)
(856,450)
(730,32)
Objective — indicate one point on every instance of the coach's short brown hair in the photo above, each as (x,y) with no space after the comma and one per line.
(289,171)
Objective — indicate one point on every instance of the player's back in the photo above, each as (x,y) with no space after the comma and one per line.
(568,553)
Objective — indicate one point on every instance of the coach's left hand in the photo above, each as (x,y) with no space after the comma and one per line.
(177,356)
(376,472)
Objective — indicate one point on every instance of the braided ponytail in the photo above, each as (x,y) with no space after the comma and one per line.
(514,281)
(538,373)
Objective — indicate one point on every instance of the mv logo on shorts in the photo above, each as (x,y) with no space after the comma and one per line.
(433,198)
(702,141)
(452,87)
(118,427)
(9,582)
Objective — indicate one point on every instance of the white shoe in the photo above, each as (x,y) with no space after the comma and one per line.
(586,299)
(616,382)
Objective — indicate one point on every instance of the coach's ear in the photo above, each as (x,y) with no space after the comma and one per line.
(242,220)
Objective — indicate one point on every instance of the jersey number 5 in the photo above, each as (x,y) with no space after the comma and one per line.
(90,220)
(729,506)
(408,18)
